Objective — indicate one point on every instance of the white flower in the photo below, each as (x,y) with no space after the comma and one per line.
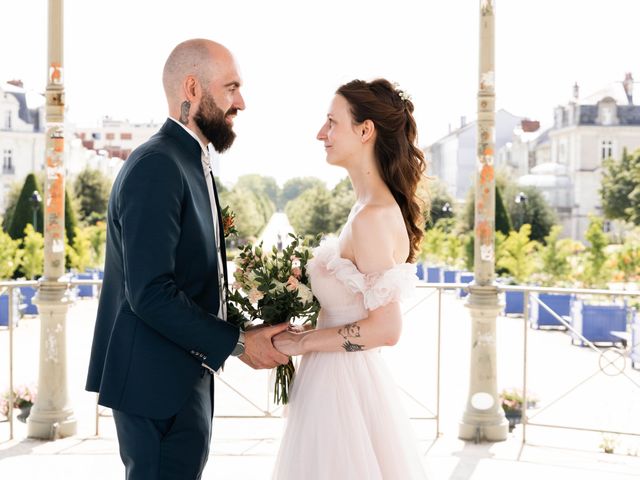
(250,279)
(255,295)
(305,294)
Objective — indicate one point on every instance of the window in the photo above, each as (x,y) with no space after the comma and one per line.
(7,120)
(7,160)
(562,152)
(110,136)
(606,149)
(125,136)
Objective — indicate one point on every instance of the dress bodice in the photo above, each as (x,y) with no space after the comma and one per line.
(345,293)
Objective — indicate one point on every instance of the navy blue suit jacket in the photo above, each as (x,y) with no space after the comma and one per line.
(156,321)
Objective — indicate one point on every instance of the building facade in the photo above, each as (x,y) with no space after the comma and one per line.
(22,140)
(585,132)
(452,159)
(22,144)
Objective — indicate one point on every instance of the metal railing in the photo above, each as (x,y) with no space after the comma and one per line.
(565,322)
(438,288)
(7,288)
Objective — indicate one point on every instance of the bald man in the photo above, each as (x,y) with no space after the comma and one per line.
(160,329)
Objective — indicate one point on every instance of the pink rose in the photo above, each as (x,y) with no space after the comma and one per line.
(292,283)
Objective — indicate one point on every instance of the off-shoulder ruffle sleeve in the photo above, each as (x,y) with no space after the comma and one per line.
(378,289)
(393,285)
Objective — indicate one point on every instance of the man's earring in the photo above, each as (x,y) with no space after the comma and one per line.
(184,112)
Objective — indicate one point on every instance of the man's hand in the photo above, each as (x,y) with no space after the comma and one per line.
(258,347)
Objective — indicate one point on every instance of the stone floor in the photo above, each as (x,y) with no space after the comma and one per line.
(572,389)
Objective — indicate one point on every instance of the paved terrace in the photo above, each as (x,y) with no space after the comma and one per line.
(244,447)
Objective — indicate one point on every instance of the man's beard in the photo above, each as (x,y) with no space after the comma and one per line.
(210,119)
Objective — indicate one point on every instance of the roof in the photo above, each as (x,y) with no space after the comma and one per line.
(469,125)
(627,114)
(614,90)
(29,102)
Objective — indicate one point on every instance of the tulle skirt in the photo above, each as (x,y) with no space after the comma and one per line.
(345,421)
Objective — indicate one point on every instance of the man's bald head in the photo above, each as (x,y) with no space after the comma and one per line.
(198,58)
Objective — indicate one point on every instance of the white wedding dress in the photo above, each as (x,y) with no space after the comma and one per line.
(344,420)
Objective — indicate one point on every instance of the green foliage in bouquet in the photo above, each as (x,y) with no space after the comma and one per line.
(273,287)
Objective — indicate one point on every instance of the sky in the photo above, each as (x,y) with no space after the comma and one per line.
(294,54)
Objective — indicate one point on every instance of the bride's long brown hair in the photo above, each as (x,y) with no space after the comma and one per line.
(400,162)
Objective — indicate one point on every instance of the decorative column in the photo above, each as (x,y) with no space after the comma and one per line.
(484,418)
(51,416)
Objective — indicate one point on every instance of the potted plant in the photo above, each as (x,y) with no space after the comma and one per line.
(431,254)
(556,270)
(598,318)
(512,402)
(23,399)
(515,256)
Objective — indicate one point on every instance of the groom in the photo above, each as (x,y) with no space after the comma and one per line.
(160,330)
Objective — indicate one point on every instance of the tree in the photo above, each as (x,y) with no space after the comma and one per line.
(33,258)
(310,213)
(441,204)
(555,255)
(98,238)
(502,217)
(432,246)
(70,221)
(83,250)
(11,202)
(620,189)
(535,210)
(342,200)
(91,188)
(595,273)
(627,262)
(294,187)
(250,208)
(23,211)
(261,185)
(515,254)
(10,255)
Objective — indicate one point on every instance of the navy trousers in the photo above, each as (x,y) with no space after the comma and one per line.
(175,448)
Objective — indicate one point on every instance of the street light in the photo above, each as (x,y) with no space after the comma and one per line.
(446,209)
(36,200)
(521,198)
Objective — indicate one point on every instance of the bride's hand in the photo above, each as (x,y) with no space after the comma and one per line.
(288,343)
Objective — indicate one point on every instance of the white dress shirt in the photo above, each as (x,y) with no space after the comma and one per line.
(206,158)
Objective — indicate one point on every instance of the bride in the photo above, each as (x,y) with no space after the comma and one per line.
(345,420)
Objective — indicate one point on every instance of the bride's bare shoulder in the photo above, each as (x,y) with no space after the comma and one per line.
(373,234)
(377,217)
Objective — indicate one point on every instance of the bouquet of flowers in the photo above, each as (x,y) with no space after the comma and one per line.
(273,286)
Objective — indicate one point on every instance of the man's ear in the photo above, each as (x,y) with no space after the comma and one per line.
(190,87)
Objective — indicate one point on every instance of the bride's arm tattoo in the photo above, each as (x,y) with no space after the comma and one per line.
(350,330)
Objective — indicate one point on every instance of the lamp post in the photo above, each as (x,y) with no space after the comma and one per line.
(52,416)
(35,200)
(521,198)
(446,209)
(483,418)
